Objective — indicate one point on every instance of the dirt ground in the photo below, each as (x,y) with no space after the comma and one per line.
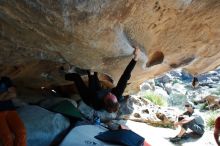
(160,136)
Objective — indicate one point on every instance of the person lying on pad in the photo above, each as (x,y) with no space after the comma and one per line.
(99,98)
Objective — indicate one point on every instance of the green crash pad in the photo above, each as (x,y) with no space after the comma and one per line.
(67,108)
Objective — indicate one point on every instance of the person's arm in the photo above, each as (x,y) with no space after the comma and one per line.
(8,95)
(186,119)
(122,83)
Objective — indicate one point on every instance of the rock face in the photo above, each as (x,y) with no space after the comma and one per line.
(37,37)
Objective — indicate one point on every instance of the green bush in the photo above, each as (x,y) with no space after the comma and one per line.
(211,120)
(154,98)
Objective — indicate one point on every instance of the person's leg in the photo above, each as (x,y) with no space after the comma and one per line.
(17,127)
(94,83)
(122,83)
(5,134)
(83,90)
(180,134)
(198,129)
(182,131)
(80,85)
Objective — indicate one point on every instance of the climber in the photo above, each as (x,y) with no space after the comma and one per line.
(99,98)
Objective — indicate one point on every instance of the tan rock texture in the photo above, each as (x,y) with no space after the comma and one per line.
(37,37)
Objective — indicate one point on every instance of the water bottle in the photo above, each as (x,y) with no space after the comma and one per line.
(96,119)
